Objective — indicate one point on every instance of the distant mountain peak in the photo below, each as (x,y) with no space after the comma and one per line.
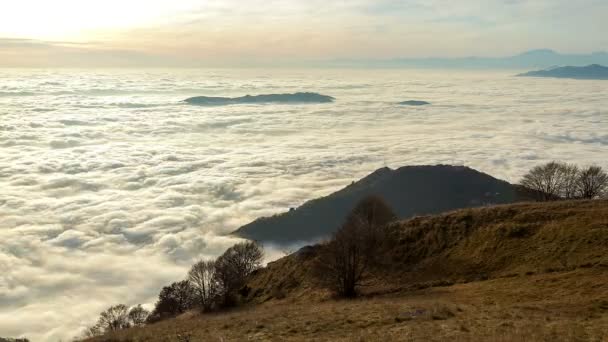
(537,52)
(537,58)
(409,190)
(589,72)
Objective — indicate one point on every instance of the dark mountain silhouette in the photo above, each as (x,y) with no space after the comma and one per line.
(590,72)
(410,191)
(414,103)
(261,99)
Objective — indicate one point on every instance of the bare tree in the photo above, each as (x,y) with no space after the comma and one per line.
(372,214)
(344,260)
(592,182)
(547,180)
(114,318)
(202,278)
(570,174)
(234,266)
(138,315)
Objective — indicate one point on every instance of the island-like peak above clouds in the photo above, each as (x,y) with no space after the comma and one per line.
(590,72)
(296,98)
(414,103)
(410,191)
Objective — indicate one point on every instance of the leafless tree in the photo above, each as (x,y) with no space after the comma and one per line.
(570,174)
(592,182)
(234,266)
(202,278)
(546,180)
(557,180)
(344,260)
(138,315)
(114,318)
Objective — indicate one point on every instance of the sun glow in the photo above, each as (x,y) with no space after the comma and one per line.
(81,20)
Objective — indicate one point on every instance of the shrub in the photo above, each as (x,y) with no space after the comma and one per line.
(278,293)
(138,315)
(173,300)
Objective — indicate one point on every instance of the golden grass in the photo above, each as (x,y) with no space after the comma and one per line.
(562,306)
(462,246)
(525,272)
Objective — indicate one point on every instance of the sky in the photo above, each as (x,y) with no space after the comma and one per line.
(231,32)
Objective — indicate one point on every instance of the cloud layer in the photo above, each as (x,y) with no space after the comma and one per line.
(111,187)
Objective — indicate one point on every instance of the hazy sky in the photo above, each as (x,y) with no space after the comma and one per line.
(155,32)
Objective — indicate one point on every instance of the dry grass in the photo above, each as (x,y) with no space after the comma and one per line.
(565,306)
(465,245)
(527,272)
(504,240)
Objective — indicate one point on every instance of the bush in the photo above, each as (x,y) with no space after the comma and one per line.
(173,300)
(278,293)
(138,315)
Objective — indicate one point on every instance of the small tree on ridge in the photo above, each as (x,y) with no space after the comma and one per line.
(234,266)
(202,278)
(344,260)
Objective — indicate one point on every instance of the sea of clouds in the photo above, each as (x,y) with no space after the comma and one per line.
(111,187)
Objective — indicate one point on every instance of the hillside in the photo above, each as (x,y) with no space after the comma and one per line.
(590,72)
(410,191)
(468,245)
(536,272)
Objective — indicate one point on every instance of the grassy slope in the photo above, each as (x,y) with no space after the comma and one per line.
(518,272)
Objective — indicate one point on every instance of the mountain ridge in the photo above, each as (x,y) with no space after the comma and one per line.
(538,58)
(589,72)
(409,190)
